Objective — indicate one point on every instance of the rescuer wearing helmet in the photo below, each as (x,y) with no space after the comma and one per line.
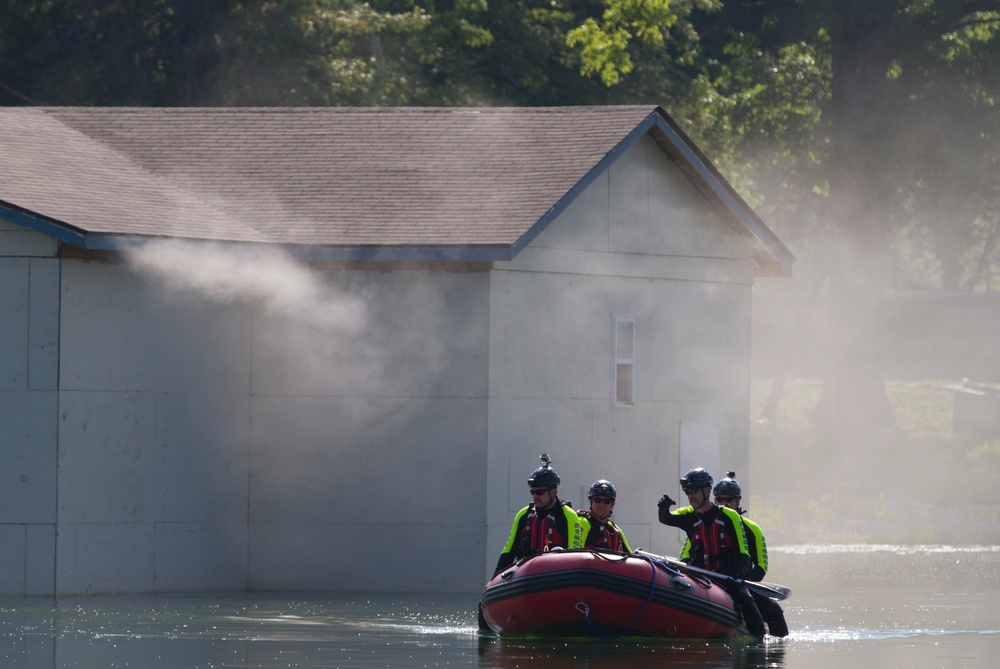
(718,540)
(546,523)
(597,528)
(729,493)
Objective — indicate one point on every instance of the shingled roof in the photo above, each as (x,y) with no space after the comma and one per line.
(332,183)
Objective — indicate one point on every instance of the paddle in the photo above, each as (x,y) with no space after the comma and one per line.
(770,590)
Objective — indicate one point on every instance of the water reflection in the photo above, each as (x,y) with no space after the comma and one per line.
(497,654)
(857,606)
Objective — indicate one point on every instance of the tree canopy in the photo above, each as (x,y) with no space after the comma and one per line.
(865,131)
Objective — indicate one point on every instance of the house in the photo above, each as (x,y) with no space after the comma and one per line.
(322,348)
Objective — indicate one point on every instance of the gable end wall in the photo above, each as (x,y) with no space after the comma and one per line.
(640,240)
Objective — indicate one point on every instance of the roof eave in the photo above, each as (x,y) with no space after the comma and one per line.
(316,252)
(639,131)
(42,224)
(771,257)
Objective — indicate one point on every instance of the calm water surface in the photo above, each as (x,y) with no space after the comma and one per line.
(853,606)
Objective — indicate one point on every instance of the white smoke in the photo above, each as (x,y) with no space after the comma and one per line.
(282,286)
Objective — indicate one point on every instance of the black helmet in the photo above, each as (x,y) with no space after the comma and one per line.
(544,476)
(602,488)
(728,486)
(696,479)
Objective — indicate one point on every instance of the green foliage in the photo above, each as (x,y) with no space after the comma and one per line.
(802,492)
(604,44)
(976,29)
(603,51)
(908,146)
(850,125)
(924,410)
(988,451)
(765,126)
(911,153)
(794,415)
(985,459)
(176,52)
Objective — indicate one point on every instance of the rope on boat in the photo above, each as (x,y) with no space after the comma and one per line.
(584,608)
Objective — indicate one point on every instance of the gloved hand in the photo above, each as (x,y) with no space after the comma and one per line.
(584,513)
(665,502)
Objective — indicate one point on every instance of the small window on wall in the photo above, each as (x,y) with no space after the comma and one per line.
(624,352)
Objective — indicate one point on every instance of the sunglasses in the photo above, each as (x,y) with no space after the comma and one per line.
(601,500)
(724,498)
(539,492)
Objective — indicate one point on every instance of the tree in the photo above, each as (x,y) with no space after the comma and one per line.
(315,52)
(903,140)
(865,130)
(191,52)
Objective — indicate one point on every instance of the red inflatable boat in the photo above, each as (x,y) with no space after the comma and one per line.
(587,593)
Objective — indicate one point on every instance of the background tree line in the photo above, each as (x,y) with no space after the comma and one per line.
(864,131)
(894,100)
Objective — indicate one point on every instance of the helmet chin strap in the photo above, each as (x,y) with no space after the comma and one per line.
(706,500)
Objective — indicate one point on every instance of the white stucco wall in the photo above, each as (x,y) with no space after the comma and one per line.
(639,241)
(358,429)
(28,410)
(153,436)
(216,445)
(370,476)
(158,434)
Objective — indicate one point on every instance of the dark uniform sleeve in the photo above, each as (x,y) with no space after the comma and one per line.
(684,517)
(506,560)
(509,555)
(758,550)
(742,561)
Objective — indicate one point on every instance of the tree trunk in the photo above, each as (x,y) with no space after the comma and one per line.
(854,410)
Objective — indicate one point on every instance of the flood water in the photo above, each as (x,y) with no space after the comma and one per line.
(856,606)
